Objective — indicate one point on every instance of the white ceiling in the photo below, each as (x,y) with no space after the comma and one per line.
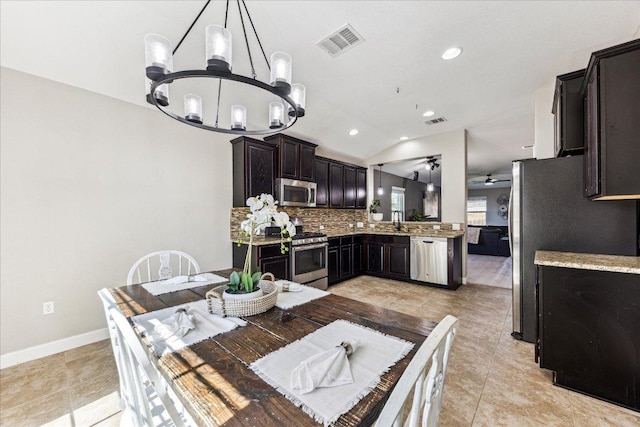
(511,49)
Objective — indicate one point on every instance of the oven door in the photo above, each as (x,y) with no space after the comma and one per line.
(309,262)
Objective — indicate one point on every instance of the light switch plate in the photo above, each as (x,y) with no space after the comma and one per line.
(456,227)
(436,227)
(372,226)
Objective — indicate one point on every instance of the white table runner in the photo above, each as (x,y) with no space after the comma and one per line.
(287,300)
(180,283)
(376,354)
(206,326)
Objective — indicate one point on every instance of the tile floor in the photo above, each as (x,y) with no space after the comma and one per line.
(492,379)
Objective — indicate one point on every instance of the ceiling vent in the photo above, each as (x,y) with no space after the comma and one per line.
(340,41)
(435,121)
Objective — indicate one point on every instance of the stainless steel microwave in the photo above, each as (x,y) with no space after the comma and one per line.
(292,192)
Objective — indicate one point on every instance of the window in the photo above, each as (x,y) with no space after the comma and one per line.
(397,201)
(477,210)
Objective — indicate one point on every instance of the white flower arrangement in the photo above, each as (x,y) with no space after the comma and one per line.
(264,213)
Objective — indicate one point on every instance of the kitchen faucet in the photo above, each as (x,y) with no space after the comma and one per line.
(395,215)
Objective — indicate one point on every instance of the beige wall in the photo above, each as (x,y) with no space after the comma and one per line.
(88,185)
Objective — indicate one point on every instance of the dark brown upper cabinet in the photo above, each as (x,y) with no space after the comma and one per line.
(296,158)
(568,114)
(611,91)
(322,182)
(336,191)
(349,187)
(254,168)
(340,185)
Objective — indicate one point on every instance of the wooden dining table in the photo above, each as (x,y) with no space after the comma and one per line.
(212,379)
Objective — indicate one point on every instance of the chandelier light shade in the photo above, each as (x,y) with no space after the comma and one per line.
(380,189)
(158,56)
(430,186)
(162,93)
(219,48)
(218,88)
(281,72)
(299,96)
(276,115)
(238,117)
(193,108)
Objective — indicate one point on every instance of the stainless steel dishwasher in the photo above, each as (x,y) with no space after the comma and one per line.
(429,259)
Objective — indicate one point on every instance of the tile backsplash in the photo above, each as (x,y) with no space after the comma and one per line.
(337,221)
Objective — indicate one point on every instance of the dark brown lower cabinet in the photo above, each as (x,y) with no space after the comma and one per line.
(265,258)
(387,256)
(589,332)
(345,258)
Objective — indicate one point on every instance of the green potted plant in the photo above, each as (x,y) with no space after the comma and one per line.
(264,213)
(373,208)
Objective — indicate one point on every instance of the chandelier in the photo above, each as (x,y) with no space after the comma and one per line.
(284,102)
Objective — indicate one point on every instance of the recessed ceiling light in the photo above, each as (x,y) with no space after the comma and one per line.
(428,113)
(353,132)
(404,138)
(452,52)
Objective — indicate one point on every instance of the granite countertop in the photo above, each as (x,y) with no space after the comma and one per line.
(613,263)
(450,234)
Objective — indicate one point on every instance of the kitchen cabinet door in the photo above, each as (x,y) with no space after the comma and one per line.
(398,260)
(253,169)
(336,197)
(307,163)
(333,264)
(375,257)
(589,331)
(289,155)
(346,262)
(568,114)
(322,182)
(349,187)
(278,266)
(361,188)
(612,128)
(358,267)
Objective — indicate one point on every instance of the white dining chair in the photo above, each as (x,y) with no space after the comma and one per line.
(164,263)
(427,385)
(144,395)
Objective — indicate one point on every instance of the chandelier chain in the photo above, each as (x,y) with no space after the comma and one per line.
(246,40)
(191,26)
(257,37)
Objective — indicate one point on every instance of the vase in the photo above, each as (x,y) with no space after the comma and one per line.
(376,216)
(242,296)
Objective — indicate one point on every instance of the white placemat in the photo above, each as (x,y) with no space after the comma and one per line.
(180,283)
(288,300)
(376,354)
(206,326)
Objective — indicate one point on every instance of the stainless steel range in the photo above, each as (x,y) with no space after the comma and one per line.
(309,252)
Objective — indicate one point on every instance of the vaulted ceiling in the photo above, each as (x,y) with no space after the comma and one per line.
(380,87)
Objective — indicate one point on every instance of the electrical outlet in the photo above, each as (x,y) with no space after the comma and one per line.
(436,227)
(455,226)
(322,227)
(359,224)
(47,307)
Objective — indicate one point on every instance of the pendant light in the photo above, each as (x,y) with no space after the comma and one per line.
(432,163)
(289,99)
(380,189)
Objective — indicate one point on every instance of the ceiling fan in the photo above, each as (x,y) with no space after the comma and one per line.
(490,181)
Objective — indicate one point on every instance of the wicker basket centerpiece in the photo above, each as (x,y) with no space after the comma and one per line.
(239,308)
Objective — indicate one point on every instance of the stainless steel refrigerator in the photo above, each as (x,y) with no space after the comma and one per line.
(548,212)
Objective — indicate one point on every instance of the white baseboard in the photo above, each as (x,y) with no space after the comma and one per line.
(53,347)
